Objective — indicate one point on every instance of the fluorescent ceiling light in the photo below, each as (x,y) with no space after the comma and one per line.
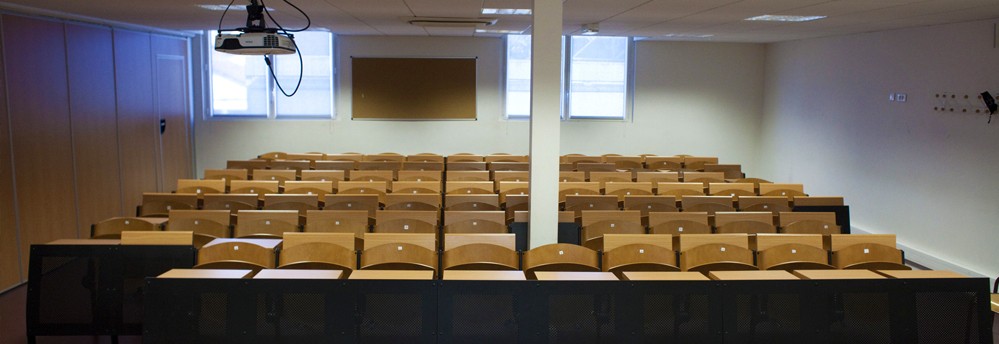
(501,32)
(508,11)
(686,35)
(784,18)
(212,7)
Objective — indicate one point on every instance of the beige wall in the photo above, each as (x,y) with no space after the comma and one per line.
(904,168)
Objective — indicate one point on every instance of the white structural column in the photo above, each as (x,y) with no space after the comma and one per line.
(546,104)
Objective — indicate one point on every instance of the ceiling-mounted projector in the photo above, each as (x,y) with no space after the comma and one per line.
(255,43)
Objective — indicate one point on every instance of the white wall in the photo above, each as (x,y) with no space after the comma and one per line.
(693,98)
(927,176)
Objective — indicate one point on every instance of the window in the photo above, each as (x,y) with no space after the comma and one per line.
(599,69)
(242,87)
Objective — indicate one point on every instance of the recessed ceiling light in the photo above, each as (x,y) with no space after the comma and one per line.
(501,32)
(508,11)
(784,18)
(212,7)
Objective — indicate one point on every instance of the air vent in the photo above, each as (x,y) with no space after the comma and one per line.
(450,21)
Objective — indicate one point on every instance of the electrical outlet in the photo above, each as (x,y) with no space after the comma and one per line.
(900,97)
(891,97)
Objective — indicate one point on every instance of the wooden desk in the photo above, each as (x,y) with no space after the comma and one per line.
(995,303)
(391,275)
(751,275)
(574,276)
(206,273)
(298,274)
(483,275)
(664,276)
(836,274)
(85,242)
(265,243)
(920,274)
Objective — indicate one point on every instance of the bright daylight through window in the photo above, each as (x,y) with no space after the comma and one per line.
(241,85)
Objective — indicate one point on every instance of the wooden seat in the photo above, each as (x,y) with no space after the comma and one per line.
(679,223)
(866,251)
(673,163)
(378,166)
(422,166)
(731,189)
(252,254)
(648,204)
(696,163)
(559,257)
(510,176)
(466,166)
(419,176)
(595,167)
(201,186)
(709,204)
(112,228)
(680,189)
(506,189)
(369,202)
(749,222)
(628,163)
(206,225)
(406,221)
(318,188)
(265,223)
(515,202)
(377,188)
(413,201)
(625,189)
(607,177)
(731,171)
(410,187)
(248,165)
(715,252)
(703,177)
(309,156)
(638,252)
(355,222)
(808,223)
(468,188)
(273,156)
(790,252)
(345,165)
(399,251)
(387,156)
(480,252)
(586,159)
(591,202)
(258,187)
(227,175)
(160,204)
(773,204)
(571,176)
(577,188)
(595,224)
(372,175)
(657,177)
(318,251)
(475,222)
(297,202)
(508,166)
(425,157)
(465,157)
(274,175)
(817,201)
(786,190)
(472,202)
(467,176)
(231,202)
(296,165)
(503,157)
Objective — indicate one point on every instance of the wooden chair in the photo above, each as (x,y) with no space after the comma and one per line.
(575,159)
(672,163)
(273,156)
(317,188)
(866,251)
(475,222)
(279,176)
(265,224)
(749,222)
(731,189)
(680,189)
(697,163)
(427,187)
(703,177)
(231,202)
(411,201)
(595,224)
(207,225)
(399,251)
(603,177)
(731,171)
(258,187)
(480,252)
(657,177)
(628,163)
(467,166)
(364,202)
(422,166)
(406,221)
(335,165)
(715,252)
(786,190)
(571,176)
(773,204)
(560,257)
(333,176)
(591,202)
(248,165)
(808,223)
(709,204)
(468,188)
(252,254)
(372,175)
(509,166)
(310,156)
(506,189)
(377,188)
(820,201)
(679,223)
(577,188)
(227,175)
(297,165)
(112,228)
(384,157)
(356,222)
(790,252)
(160,204)
(425,157)
(201,186)
(298,202)
(502,157)
(622,190)
(419,176)
(649,204)
(318,251)
(472,202)
(467,176)
(595,167)
(465,157)
(638,252)
(377,166)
